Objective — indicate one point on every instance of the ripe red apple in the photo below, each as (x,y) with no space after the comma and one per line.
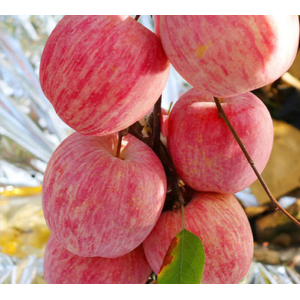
(97,204)
(230,55)
(221,224)
(102,73)
(205,153)
(63,267)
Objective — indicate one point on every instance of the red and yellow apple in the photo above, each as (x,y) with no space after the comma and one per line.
(230,55)
(63,267)
(97,204)
(102,73)
(221,224)
(205,153)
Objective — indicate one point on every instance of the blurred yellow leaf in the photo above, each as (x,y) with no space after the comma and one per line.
(23,227)
(282,173)
(21,191)
(295,68)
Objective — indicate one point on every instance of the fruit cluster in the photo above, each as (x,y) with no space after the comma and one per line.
(103,194)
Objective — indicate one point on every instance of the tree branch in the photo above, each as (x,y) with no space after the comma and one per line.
(156,126)
(264,185)
(162,152)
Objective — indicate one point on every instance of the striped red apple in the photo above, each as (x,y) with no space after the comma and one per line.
(102,73)
(63,267)
(230,55)
(97,204)
(205,154)
(221,224)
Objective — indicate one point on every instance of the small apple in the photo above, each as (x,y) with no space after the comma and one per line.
(230,55)
(97,204)
(63,267)
(102,73)
(222,226)
(205,153)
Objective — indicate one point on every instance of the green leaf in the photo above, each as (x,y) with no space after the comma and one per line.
(184,261)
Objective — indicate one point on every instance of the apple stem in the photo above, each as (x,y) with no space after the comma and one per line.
(275,203)
(120,136)
(156,126)
(137,17)
(170,106)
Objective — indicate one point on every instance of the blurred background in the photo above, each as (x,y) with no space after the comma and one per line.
(30,131)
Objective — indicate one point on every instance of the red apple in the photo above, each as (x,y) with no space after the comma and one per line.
(63,267)
(97,204)
(102,73)
(205,153)
(221,224)
(230,55)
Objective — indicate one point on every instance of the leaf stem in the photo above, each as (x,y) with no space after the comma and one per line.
(179,196)
(182,215)
(275,203)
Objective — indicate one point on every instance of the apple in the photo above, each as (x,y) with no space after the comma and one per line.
(102,73)
(230,55)
(63,267)
(205,153)
(221,224)
(97,204)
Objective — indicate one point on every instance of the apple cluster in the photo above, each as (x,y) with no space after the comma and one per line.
(103,195)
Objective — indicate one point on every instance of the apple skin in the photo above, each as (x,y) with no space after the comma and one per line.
(102,73)
(164,122)
(97,204)
(222,226)
(230,55)
(156,24)
(204,151)
(63,267)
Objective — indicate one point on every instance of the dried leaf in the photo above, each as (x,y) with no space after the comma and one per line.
(295,68)
(282,173)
